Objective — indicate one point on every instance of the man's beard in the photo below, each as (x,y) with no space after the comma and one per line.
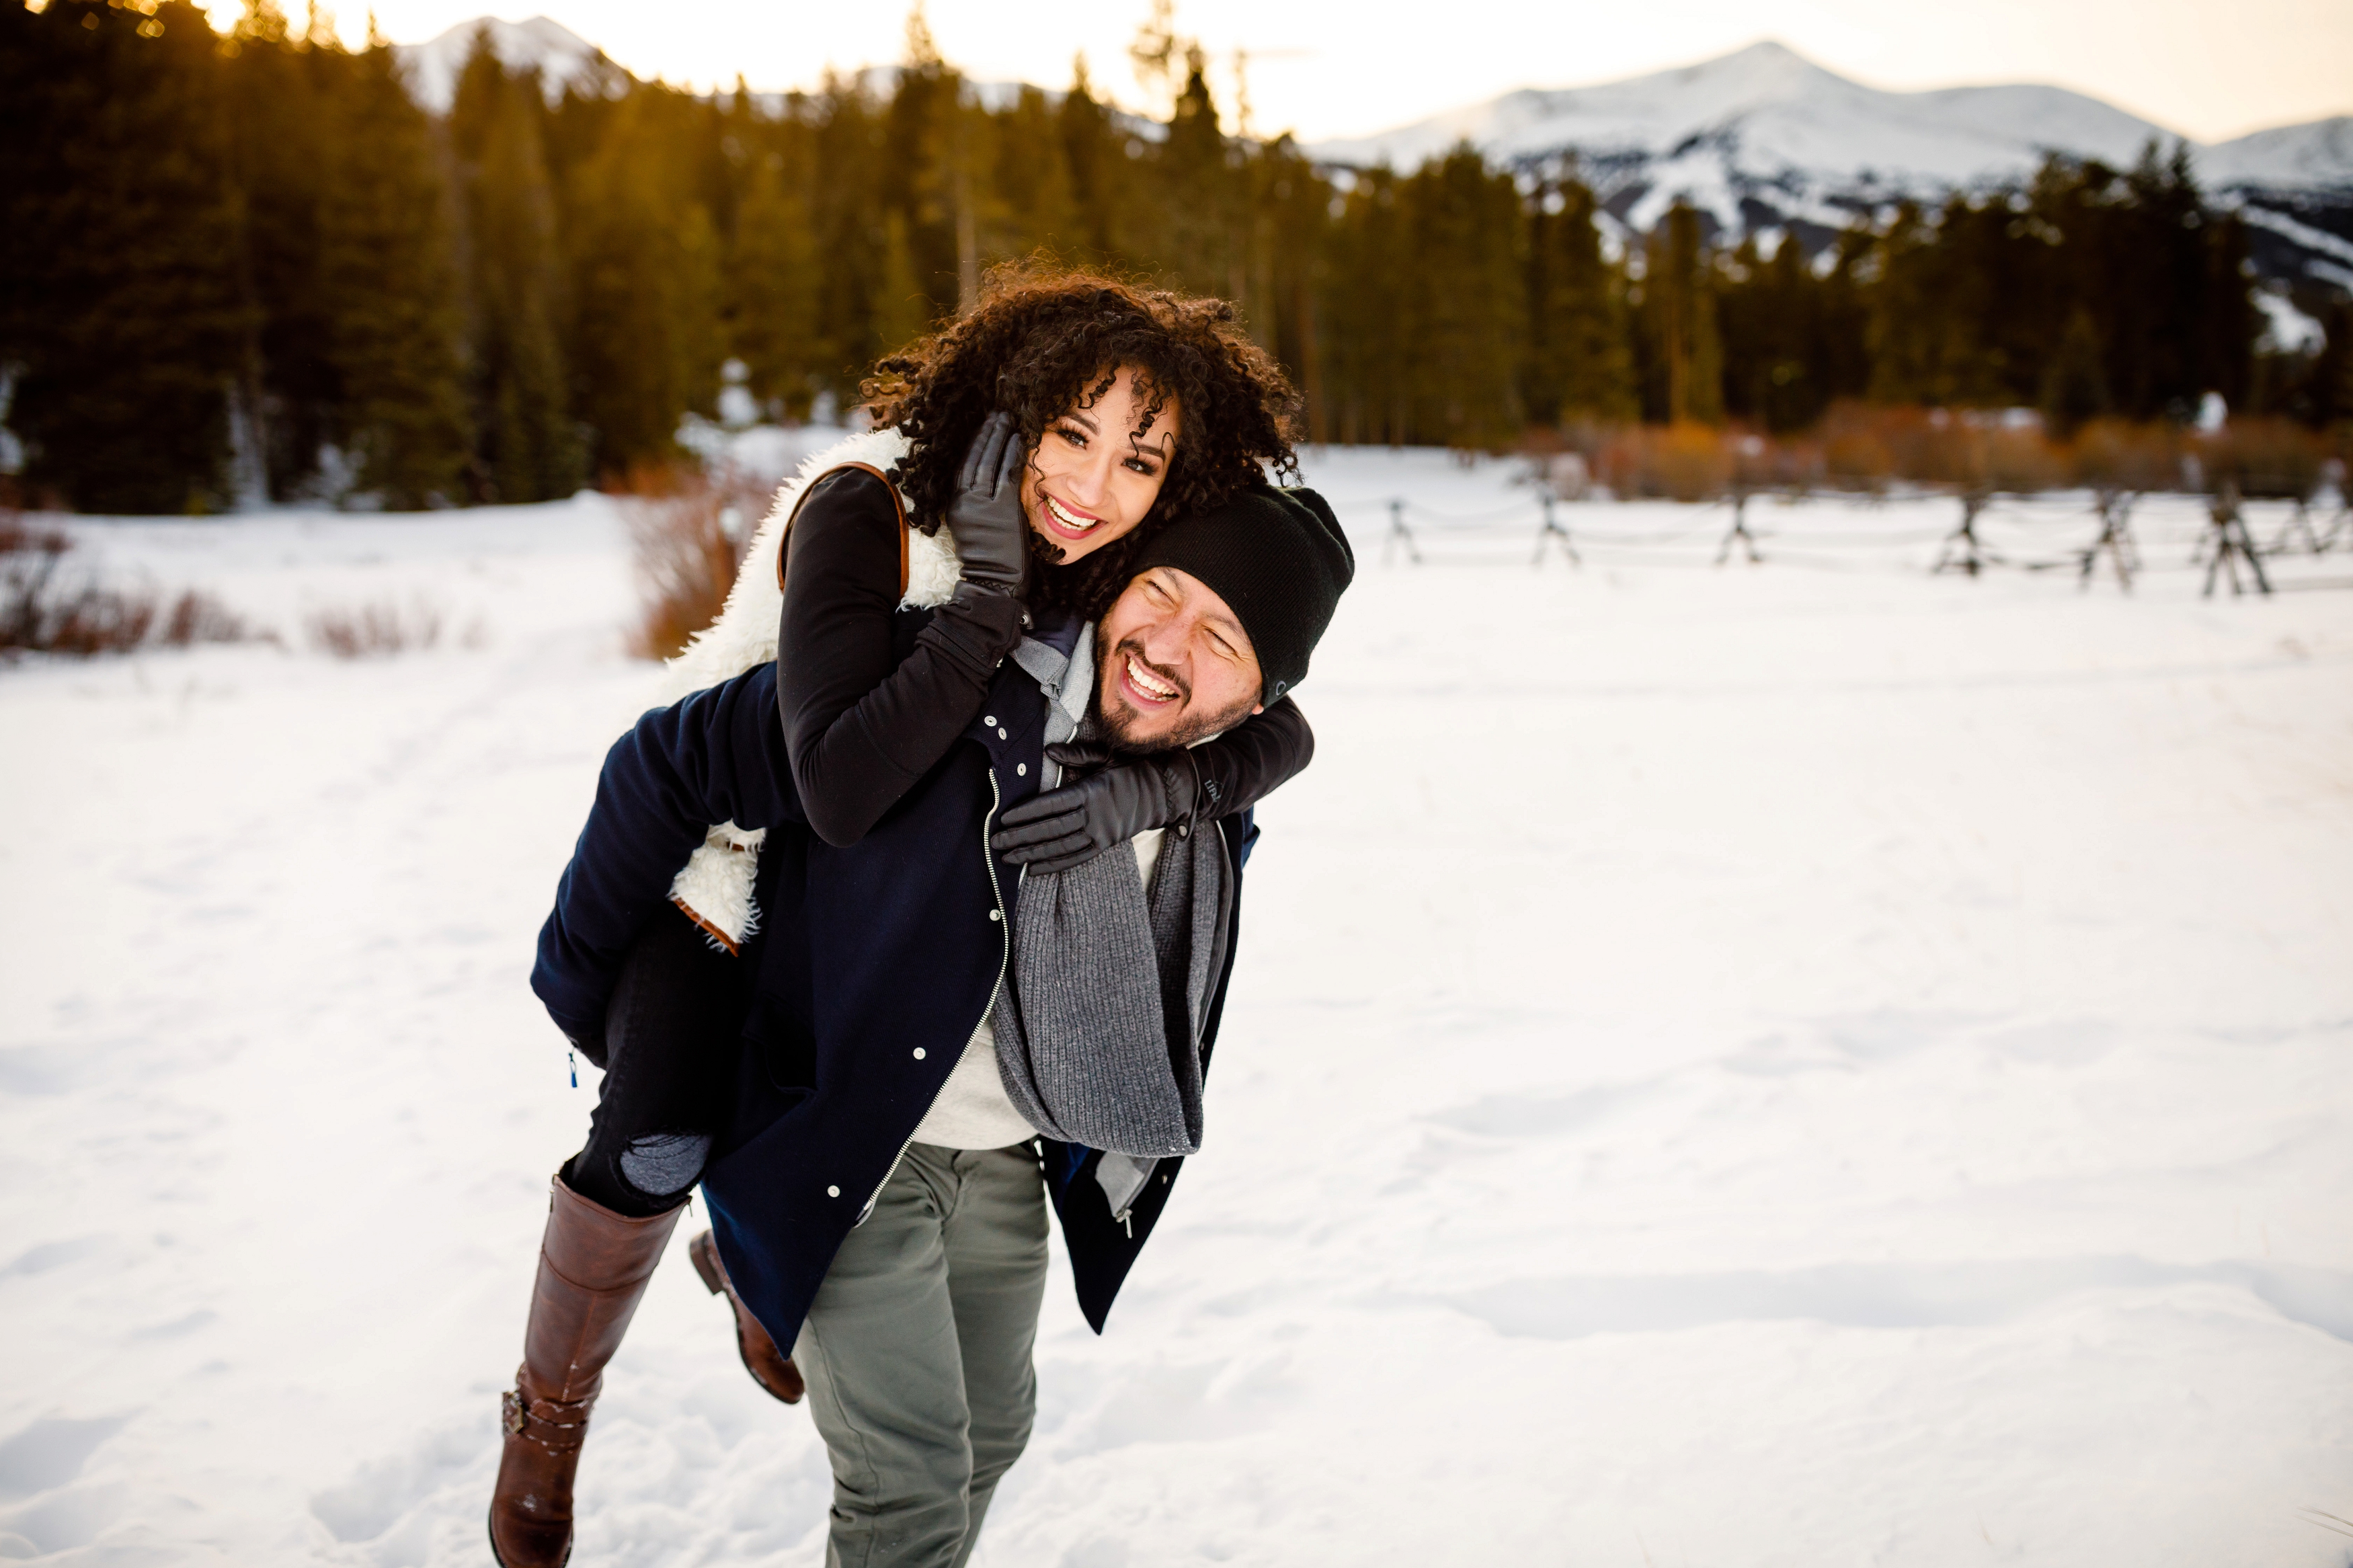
(1190,726)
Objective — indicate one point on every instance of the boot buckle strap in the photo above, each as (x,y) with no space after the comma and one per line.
(560,1424)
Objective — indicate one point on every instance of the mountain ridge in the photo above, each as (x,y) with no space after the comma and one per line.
(1759,139)
(1764,138)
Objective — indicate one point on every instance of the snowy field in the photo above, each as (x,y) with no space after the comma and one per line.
(1809,1065)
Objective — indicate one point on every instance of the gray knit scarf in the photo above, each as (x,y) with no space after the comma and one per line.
(1098,1023)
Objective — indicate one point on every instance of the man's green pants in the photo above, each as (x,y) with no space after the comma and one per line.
(917,1353)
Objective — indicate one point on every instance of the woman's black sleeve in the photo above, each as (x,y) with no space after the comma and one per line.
(1250,761)
(859,730)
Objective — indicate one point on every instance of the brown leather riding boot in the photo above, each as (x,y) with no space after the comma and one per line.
(771,1368)
(593,1268)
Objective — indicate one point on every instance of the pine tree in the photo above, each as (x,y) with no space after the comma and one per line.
(279,87)
(1577,362)
(1291,216)
(925,181)
(395,336)
(903,310)
(1365,312)
(1679,317)
(774,276)
(529,448)
(1468,313)
(2227,324)
(844,171)
(1032,180)
(1097,154)
(1193,235)
(646,342)
(123,309)
(2075,386)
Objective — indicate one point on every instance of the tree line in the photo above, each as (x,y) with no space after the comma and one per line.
(251,263)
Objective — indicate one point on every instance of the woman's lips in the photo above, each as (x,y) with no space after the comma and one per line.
(1064,521)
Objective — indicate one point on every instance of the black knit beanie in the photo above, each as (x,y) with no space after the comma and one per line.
(1278,559)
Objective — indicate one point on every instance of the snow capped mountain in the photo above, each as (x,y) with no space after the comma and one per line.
(2288,156)
(1781,111)
(1764,138)
(560,53)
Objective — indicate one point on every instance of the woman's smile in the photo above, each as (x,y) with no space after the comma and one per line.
(1064,521)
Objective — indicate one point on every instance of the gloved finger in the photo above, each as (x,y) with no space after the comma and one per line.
(1012,460)
(1055,864)
(971,469)
(1031,834)
(1002,434)
(1081,754)
(1068,801)
(1024,844)
(1072,849)
(980,458)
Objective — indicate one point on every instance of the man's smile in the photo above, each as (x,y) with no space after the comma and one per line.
(1145,688)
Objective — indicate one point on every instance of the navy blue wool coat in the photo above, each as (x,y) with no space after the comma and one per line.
(875,962)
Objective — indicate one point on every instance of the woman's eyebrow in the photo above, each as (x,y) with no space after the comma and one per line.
(1081,417)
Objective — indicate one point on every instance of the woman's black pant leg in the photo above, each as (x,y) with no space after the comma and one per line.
(670,1064)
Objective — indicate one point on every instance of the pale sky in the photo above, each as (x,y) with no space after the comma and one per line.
(1333,67)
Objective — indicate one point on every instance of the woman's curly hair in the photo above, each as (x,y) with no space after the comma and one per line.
(1043,341)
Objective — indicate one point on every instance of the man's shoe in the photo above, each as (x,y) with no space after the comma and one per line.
(771,1368)
(593,1268)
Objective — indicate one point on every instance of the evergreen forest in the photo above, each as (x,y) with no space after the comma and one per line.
(246,264)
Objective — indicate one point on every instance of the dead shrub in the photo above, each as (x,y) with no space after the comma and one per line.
(2275,459)
(41,610)
(2111,454)
(1771,463)
(99,620)
(1686,462)
(197,616)
(688,532)
(374,631)
(1867,446)
(1856,454)
(28,564)
(2023,461)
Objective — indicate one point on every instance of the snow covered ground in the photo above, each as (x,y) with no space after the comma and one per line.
(1811,1064)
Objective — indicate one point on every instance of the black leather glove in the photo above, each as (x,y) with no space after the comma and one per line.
(992,533)
(1110,797)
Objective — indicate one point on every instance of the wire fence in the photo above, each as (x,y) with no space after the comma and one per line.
(2100,536)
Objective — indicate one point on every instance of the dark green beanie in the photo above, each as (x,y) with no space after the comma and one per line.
(1278,559)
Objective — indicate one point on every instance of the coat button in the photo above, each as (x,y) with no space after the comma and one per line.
(1002,735)
(1022,769)
(833,1192)
(919,1053)
(996,914)
(990,721)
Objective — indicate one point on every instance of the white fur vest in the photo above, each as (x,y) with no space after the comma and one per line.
(715,888)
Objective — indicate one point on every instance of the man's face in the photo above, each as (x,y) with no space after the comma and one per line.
(1175,664)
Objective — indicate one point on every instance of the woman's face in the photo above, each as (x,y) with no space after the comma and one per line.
(1097,470)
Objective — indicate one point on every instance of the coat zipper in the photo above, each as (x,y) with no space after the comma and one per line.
(1004,958)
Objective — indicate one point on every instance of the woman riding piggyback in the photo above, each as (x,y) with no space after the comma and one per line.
(786,921)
